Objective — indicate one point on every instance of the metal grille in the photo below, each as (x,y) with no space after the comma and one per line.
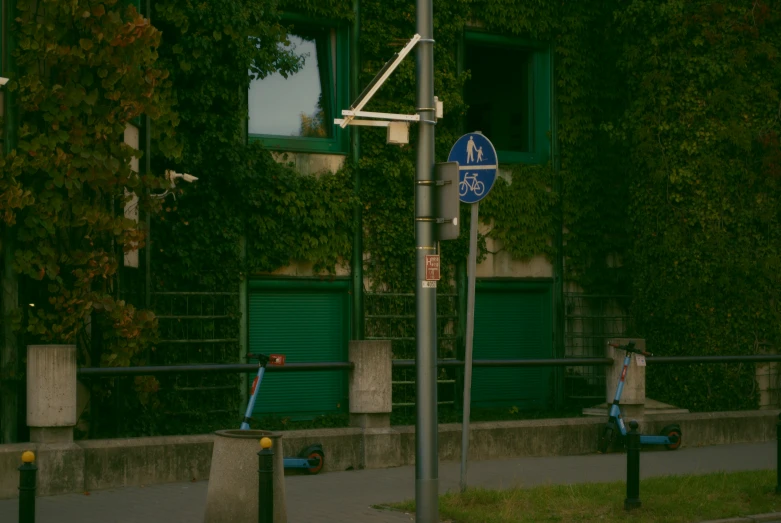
(198,327)
(391,316)
(591,320)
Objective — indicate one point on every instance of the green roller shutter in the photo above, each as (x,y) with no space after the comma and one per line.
(307,322)
(512,321)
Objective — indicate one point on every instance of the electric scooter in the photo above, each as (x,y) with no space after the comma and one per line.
(312,458)
(670,436)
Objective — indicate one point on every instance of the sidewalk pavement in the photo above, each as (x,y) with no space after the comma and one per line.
(347,497)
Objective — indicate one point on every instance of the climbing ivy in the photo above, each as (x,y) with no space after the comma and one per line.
(702,128)
(242,191)
(85,70)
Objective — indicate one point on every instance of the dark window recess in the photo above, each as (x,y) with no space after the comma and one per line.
(499,95)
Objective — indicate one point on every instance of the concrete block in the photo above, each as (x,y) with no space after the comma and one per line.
(60,468)
(51,386)
(232,496)
(370,379)
(10,460)
(719,428)
(381,448)
(145,461)
(634,383)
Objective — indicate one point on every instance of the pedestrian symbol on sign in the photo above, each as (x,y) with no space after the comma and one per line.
(477,166)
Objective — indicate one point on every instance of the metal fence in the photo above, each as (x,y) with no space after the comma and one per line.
(591,320)
(198,328)
(391,316)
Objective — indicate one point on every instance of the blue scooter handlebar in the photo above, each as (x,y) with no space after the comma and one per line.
(630,347)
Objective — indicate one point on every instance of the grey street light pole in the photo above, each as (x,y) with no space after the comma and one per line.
(426,452)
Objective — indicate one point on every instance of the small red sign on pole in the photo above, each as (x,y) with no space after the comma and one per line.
(432,267)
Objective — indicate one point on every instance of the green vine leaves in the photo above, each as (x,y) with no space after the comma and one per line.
(86,70)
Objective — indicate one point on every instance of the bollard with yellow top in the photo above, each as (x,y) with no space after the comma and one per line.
(265,482)
(27,484)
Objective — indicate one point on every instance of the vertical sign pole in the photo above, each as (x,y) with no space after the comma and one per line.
(470,330)
(426,459)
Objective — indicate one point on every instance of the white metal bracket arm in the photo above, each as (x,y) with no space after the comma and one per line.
(374,86)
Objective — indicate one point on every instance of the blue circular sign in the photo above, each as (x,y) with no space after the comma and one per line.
(477,166)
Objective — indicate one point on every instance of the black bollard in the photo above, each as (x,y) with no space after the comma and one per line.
(266,482)
(27,473)
(778,455)
(632,500)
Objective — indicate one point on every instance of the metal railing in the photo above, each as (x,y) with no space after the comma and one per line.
(409,364)
(215,368)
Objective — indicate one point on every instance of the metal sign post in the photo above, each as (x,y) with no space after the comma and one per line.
(434,192)
(477,166)
(426,451)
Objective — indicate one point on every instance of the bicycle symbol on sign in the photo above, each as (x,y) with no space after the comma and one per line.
(471,183)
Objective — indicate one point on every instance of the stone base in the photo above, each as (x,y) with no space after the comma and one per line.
(51,434)
(232,496)
(370,421)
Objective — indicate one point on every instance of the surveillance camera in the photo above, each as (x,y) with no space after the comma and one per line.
(3,80)
(173,175)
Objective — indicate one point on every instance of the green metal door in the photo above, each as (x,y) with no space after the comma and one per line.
(512,321)
(307,321)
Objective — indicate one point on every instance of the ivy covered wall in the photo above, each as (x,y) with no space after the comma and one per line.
(664,173)
(702,128)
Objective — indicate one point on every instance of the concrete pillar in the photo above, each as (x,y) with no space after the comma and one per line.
(633,397)
(51,393)
(370,384)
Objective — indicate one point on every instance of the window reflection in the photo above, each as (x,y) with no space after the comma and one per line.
(301,104)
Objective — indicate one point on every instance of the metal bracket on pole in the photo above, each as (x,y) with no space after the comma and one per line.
(375,85)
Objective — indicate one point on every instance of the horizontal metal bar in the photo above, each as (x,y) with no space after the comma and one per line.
(412,382)
(405,294)
(611,296)
(210,387)
(224,340)
(413,404)
(407,316)
(550,362)
(369,114)
(748,358)
(367,123)
(186,317)
(195,294)
(210,368)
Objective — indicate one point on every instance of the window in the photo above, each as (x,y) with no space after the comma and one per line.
(297,113)
(508,95)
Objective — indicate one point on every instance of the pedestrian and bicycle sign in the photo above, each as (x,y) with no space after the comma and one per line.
(477,166)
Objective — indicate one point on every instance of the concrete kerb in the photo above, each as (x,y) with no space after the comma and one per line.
(757,518)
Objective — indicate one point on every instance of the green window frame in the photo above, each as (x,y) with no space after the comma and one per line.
(336,57)
(539,74)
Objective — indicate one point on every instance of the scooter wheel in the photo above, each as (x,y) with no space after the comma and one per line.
(607,438)
(317,454)
(674,433)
